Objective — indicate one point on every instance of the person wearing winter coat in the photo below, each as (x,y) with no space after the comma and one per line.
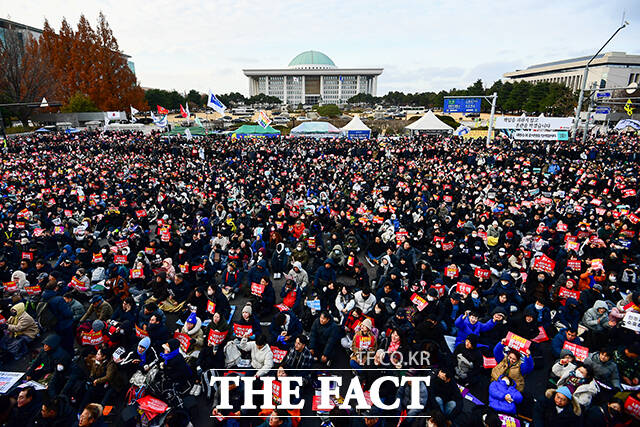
(261,355)
(468,323)
(76,306)
(468,360)
(604,368)
(142,358)
(291,295)
(98,309)
(105,378)
(193,329)
(325,274)
(365,300)
(514,365)
(52,360)
(596,319)
(581,384)
(279,261)
(504,396)
(566,363)
(284,329)
(299,275)
(568,334)
(557,409)
(444,392)
(55,412)
(21,331)
(176,370)
(324,337)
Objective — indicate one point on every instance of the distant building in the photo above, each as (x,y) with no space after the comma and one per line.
(313,78)
(611,69)
(24,31)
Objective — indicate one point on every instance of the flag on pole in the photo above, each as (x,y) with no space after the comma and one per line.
(187,134)
(183,113)
(186,107)
(162,110)
(462,130)
(133,114)
(214,103)
(263,119)
(160,121)
(199,123)
(106,120)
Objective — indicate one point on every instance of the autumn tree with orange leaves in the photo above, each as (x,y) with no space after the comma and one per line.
(89,61)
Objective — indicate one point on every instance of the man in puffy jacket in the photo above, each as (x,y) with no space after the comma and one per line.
(604,368)
(567,334)
(324,335)
(504,396)
(21,330)
(325,273)
(53,360)
(468,324)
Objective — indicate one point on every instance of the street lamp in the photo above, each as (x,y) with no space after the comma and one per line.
(584,80)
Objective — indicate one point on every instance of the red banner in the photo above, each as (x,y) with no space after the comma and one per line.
(578,351)
(440,288)
(419,302)
(276,391)
(211,307)
(33,290)
(91,337)
(136,273)
(97,258)
(364,343)
(120,259)
(257,289)
(185,341)
(121,244)
(542,336)
(242,330)
(518,343)
(463,288)
(574,264)
(27,255)
(544,263)
(278,354)
(568,293)
(632,406)
(216,337)
(489,362)
(481,273)
(451,271)
(141,333)
(149,251)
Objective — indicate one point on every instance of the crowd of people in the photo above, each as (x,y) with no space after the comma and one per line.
(135,267)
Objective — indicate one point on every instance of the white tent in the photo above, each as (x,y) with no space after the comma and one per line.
(429,123)
(356,129)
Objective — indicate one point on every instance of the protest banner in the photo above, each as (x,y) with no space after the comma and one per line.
(578,351)
(518,343)
(216,337)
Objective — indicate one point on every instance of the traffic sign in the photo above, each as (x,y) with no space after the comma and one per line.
(603,110)
(603,95)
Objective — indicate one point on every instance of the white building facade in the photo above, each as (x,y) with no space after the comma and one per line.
(611,69)
(313,78)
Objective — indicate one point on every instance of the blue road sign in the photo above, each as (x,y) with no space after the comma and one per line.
(603,110)
(462,105)
(603,95)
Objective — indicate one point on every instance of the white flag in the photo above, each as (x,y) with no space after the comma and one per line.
(106,120)
(160,121)
(133,114)
(214,103)
(187,134)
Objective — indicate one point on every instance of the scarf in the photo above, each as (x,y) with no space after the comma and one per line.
(169,356)
(143,356)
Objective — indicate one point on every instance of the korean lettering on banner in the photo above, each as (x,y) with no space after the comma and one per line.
(489,362)
(363,343)
(242,330)
(97,258)
(37,232)
(578,351)
(313,304)
(634,218)
(481,273)
(568,293)
(136,273)
(211,307)
(276,391)
(463,288)
(629,192)
(216,337)
(311,242)
(257,289)
(572,245)
(447,246)
(419,302)
(91,337)
(632,406)
(141,333)
(149,251)
(518,343)
(542,336)
(184,268)
(141,213)
(451,271)
(439,288)
(482,235)
(401,236)
(121,244)
(68,213)
(27,256)
(33,290)
(632,321)
(544,263)
(574,264)
(77,283)
(509,421)
(596,264)
(351,261)
(562,227)
(278,354)
(184,339)
(283,307)
(120,259)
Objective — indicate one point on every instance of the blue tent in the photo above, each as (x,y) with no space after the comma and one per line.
(43,130)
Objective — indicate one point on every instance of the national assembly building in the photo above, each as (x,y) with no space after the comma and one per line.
(313,78)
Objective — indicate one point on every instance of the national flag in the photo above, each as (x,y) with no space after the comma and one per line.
(183,113)
(106,120)
(187,134)
(462,130)
(162,110)
(214,103)
(263,119)
(160,121)
(133,114)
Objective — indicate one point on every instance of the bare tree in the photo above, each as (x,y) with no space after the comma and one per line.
(26,72)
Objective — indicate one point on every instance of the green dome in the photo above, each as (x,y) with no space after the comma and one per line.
(312,59)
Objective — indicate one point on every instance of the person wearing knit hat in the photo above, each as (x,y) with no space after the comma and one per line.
(557,409)
(97,325)
(247,309)
(176,369)
(363,346)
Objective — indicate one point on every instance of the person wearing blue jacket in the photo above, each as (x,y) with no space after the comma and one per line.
(568,334)
(64,324)
(258,272)
(325,273)
(504,396)
(542,312)
(569,314)
(468,324)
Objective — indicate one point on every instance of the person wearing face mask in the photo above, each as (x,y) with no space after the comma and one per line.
(557,409)
(21,330)
(514,365)
(581,384)
(542,312)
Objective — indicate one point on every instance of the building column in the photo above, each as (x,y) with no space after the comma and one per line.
(339,89)
(322,88)
(358,84)
(285,89)
(266,87)
(375,86)
(304,95)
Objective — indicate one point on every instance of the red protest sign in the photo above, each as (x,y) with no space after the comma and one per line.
(574,264)
(33,290)
(27,256)
(481,273)
(257,289)
(283,307)
(136,273)
(216,337)
(518,343)
(211,307)
(463,288)
(578,351)
(91,337)
(544,263)
(562,227)
(242,330)
(363,343)
(276,391)
(419,302)
(97,258)
(120,259)
(278,354)
(149,251)
(489,362)
(184,339)
(141,333)
(120,244)
(440,288)
(451,271)
(632,406)
(542,336)
(77,283)
(447,246)
(141,213)
(568,293)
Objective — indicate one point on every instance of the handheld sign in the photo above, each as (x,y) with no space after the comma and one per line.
(419,302)
(578,351)
(216,337)
(518,343)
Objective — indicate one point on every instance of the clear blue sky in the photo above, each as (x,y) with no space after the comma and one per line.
(422,45)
